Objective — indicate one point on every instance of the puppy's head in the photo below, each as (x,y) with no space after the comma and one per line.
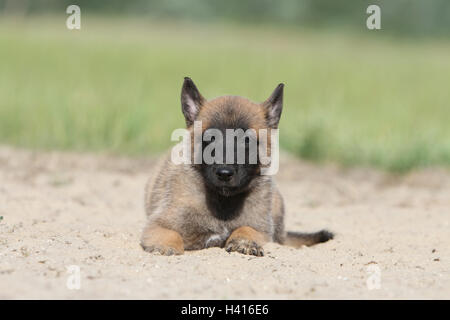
(225,115)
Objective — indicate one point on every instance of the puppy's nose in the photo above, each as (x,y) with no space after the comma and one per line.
(224,173)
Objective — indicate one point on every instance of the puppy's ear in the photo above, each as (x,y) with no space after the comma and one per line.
(273,106)
(191,101)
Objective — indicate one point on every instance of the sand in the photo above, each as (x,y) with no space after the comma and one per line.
(86,210)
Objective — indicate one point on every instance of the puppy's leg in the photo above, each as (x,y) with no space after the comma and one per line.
(246,240)
(160,240)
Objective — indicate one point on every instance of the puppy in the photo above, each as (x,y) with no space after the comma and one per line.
(232,206)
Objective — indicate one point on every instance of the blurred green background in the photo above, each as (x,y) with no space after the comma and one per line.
(353,96)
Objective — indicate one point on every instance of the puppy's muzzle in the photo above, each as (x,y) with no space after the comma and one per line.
(225,173)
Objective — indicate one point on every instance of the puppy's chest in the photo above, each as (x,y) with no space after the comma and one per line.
(217,237)
(211,231)
(205,231)
(211,225)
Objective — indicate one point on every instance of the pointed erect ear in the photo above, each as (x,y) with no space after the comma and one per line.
(191,101)
(273,106)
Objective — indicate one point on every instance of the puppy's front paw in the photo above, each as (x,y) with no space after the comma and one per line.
(161,250)
(161,241)
(244,246)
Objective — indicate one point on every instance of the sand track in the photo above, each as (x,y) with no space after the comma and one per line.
(62,209)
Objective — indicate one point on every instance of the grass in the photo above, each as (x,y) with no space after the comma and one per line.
(114,86)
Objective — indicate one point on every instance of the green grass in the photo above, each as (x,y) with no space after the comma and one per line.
(114,86)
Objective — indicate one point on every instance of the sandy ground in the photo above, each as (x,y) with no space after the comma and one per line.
(63,209)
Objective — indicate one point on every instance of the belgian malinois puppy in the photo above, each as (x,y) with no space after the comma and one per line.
(233,206)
